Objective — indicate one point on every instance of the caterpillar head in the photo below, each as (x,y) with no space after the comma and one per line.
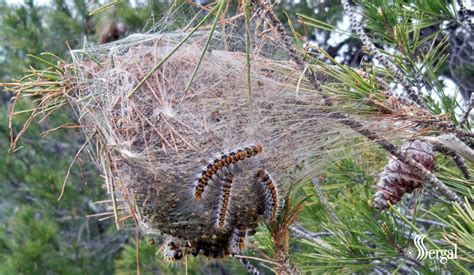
(173,251)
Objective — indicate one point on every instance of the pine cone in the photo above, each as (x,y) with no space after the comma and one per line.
(398,179)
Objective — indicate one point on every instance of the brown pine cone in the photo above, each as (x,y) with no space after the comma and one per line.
(397,178)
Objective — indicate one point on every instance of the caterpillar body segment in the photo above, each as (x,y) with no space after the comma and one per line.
(223,209)
(271,199)
(237,242)
(223,165)
(174,250)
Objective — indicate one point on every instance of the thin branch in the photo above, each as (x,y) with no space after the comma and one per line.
(323,200)
(453,143)
(286,267)
(250,268)
(286,40)
(354,124)
(248,45)
(469,107)
(394,151)
(447,126)
(458,160)
(425,221)
(63,187)
(258,259)
(314,237)
(375,52)
(289,47)
(465,18)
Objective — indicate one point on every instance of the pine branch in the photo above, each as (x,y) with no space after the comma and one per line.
(286,40)
(301,232)
(353,124)
(405,269)
(375,52)
(394,151)
(381,270)
(465,116)
(447,126)
(286,268)
(453,143)
(280,235)
(465,18)
(323,200)
(425,221)
(289,47)
(250,268)
(458,160)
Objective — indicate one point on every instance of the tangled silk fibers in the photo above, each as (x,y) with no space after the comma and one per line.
(159,139)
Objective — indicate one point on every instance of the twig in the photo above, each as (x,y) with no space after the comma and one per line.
(286,40)
(465,116)
(186,265)
(258,259)
(458,160)
(425,221)
(393,150)
(375,52)
(402,267)
(72,163)
(453,143)
(286,267)
(111,184)
(114,204)
(289,47)
(380,269)
(247,56)
(447,126)
(323,200)
(250,268)
(465,18)
(314,237)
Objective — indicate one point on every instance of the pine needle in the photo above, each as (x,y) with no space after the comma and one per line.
(72,163)
(157,66)
(221,6)
(104,7)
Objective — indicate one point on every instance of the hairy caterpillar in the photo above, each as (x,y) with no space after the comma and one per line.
(238,240)
(224,203)
(225,161)
(270,195)
(175,250)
